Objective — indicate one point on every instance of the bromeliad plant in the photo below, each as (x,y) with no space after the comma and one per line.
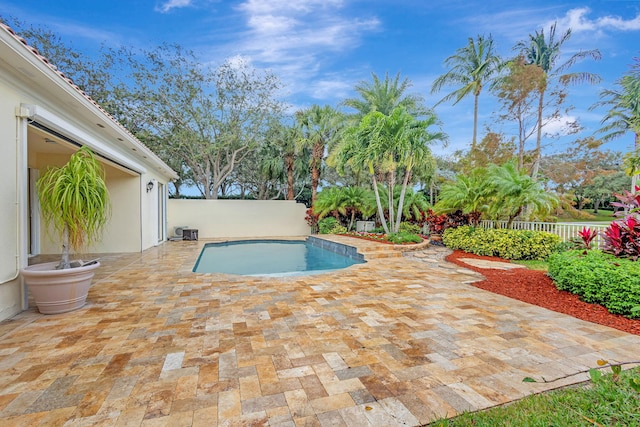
(75,201)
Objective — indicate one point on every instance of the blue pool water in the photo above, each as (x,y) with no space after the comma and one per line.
(271,257)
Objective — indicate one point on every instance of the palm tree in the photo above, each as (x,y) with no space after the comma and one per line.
(514,190)
(623,116)
(471,67)
(543,52)
(343,201)
(319,127)
(415,203)
(384,97)
(387,146)
(468,193)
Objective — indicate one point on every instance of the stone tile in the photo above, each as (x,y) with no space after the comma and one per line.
(332,403)
(395,341)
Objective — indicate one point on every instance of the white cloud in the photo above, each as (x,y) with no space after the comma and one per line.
(298,38)
(560,126)
(577,19)
(330,89)
(172,4)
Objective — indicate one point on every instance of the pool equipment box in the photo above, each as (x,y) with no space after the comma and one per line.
(189,234)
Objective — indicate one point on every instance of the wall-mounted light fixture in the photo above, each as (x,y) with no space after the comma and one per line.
(149,186)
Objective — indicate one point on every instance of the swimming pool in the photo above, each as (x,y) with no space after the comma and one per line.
(275,257)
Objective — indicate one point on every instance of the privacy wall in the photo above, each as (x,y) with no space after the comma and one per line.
(238,218)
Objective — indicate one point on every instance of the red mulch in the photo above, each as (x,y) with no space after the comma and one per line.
(535,287)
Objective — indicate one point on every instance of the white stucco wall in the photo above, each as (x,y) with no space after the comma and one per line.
(9,224)
(239,218)
(31,90)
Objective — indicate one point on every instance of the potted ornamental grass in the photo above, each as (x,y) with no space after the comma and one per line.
(74,201)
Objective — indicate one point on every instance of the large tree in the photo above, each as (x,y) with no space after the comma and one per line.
(319,127)
(517,92)
(211,119)
(472,67)
(545,53)
(389,147)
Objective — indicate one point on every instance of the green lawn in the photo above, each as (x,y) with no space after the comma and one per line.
(604,216)
(608,402)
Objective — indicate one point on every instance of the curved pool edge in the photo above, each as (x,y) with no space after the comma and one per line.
(343,250)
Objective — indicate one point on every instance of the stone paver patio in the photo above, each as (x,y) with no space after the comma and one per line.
(396,341)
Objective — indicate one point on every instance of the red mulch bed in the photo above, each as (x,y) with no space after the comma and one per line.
(535,287)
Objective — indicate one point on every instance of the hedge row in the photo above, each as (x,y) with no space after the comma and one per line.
(503,243)
(598,278)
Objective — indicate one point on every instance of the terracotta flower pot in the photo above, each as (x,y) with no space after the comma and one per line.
(59,291)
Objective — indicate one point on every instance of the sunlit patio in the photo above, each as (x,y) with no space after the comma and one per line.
(396,341)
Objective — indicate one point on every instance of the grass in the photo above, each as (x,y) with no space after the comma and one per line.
(606,402)
(601,216)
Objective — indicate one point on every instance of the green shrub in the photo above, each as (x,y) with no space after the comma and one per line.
(330,225)
(404,237)
(598,278)
(407,227)
(503,243)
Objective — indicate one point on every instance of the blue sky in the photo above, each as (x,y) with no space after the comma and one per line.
(321,48)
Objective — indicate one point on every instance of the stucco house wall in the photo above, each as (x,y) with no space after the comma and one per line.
(44,118)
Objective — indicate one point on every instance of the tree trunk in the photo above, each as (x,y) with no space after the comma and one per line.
(316,161)
(475,121)
(536,159)
(289,161)
(64,262)
(513,217)
(634,176)
(391,184)
(405,182)
(383,220)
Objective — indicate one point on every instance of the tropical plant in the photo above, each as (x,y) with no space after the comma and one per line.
(438,223)
(623,116)
(384,97)
(74,199)
(389,147)
(586,236)
(513,191)
(319,127)
(468,193)
(622,237)
(545,53)
(330,225)
(471,67)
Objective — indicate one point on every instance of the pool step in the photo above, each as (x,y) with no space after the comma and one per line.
(377,254)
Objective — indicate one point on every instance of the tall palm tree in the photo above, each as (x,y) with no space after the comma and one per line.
(545,52)
(319,127)
(623,116)
(471,67)
(384,96)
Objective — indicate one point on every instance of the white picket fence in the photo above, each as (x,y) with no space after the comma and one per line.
(566,231)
